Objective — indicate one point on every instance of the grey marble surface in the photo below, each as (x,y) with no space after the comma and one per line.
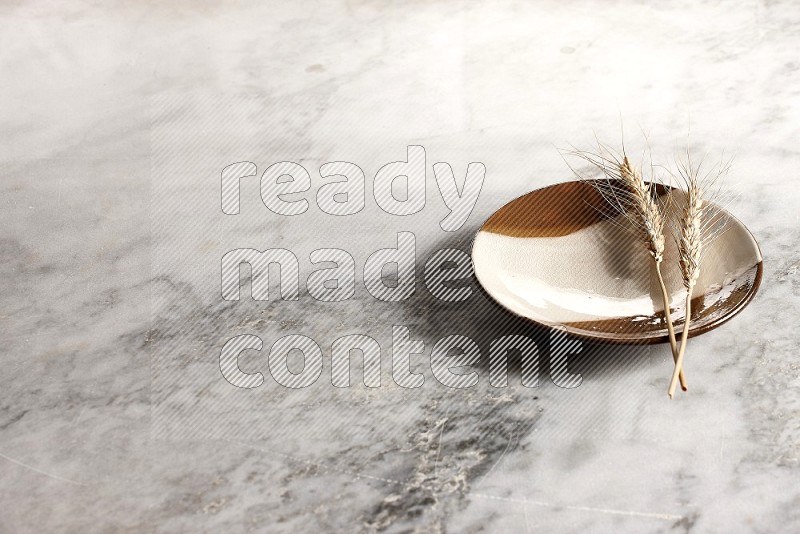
(116,124)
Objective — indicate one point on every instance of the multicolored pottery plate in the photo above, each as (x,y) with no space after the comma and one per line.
(561,256)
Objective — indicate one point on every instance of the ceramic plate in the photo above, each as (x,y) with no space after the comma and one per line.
(560,256)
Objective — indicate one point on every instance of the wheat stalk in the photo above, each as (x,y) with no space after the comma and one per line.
(636,201)
(652,219)
(698,224)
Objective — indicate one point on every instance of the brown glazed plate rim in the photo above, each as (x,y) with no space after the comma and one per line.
(608,337)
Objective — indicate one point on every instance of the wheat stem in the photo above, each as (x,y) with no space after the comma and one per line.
(670,328)
(684,338)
